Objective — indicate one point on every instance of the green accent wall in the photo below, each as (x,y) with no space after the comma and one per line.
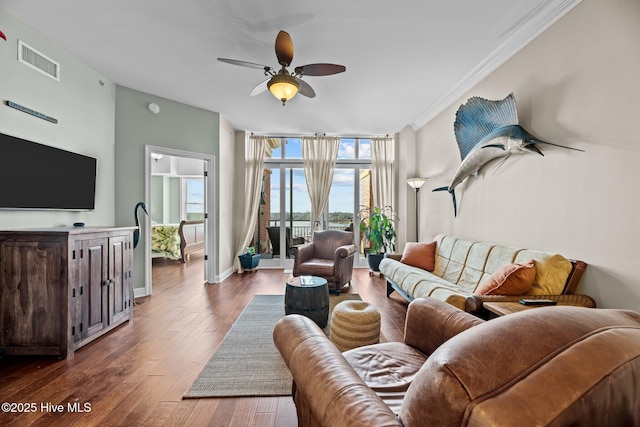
(165,200)
(177,126)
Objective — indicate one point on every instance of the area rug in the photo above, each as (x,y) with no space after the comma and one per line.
(247,362)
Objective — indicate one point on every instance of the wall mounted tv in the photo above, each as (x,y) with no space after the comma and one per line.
(36,176)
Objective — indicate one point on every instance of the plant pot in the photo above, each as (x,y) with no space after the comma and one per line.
(249,262)
(374,261)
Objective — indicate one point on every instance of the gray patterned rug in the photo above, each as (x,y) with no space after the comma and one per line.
(247,362)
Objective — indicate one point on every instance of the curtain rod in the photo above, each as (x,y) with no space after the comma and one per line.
(339,136)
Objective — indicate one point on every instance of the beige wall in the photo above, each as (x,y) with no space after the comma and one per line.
(405,157)
(228,165)
(577,84)
(238,185)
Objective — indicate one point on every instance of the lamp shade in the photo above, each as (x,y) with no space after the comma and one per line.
(416,183)
(283,86)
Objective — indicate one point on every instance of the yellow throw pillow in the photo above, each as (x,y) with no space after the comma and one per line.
(552,271)
(421,255)
(511,279)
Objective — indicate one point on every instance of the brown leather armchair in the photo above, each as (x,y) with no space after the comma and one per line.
(329,254)
(549,366)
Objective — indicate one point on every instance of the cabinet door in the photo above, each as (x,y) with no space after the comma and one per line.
(33,297)
(94,286)
(119,279)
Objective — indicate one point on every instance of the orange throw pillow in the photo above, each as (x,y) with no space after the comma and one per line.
(512,279)
(421,255)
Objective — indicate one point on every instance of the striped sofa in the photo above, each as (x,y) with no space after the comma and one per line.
(461,265)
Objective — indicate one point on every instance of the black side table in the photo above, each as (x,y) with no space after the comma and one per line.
(309,296)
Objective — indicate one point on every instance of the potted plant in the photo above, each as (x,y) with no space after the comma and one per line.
(377,229)
(250,259)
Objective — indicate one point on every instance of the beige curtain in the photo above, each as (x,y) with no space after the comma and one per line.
(382,156)
(319,156)
(254,165)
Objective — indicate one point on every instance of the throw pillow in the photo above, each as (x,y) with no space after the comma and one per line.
(552,271)
(512,279)
(421,255)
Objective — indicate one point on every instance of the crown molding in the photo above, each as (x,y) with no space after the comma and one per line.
(539,20)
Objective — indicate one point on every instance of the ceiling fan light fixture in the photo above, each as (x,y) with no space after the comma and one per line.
(283,84)
(283,87)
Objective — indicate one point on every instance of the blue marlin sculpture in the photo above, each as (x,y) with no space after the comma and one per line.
(487,130)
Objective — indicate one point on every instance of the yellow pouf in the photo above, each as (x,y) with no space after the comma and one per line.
(354,324)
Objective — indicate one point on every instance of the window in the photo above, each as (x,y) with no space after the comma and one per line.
(354,149)
(193,199)
(285,201)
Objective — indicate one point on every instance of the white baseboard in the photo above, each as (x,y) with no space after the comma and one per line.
(225,274)
(139,292)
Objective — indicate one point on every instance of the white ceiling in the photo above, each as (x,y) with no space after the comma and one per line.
(405,60)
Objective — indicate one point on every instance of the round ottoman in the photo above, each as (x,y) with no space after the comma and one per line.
(354,324)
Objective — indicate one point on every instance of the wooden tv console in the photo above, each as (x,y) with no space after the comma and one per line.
(61,288)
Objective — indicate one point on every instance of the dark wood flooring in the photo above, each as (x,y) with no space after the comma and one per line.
(137,374)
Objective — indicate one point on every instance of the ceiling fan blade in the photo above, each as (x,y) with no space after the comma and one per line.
(284,48)
(320,69)
(259,88)
(305,89)
(244,63)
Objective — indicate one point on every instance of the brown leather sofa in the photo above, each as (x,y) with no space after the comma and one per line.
(548,366)
(329,254)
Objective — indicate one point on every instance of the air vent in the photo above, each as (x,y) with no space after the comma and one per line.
(34,59)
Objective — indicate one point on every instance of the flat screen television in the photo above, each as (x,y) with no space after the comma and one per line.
(40,177)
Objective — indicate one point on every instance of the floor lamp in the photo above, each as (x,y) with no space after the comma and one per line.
(416,183)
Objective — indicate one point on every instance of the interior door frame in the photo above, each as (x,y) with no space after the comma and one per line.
(210,266)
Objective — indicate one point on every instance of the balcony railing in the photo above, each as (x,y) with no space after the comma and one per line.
(306,231)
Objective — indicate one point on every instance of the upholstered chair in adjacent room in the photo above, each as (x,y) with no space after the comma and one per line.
(329,254)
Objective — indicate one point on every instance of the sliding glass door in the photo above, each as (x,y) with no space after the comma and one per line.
(284,217)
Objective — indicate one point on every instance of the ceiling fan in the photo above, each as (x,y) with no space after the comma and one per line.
(283,84)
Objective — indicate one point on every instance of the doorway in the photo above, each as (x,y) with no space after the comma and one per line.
(179,173)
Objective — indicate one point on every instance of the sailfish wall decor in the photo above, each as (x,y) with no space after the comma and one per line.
(487,130)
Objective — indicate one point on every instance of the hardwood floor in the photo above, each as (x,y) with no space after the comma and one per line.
(136,375)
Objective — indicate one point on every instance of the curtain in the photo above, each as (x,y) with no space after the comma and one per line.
(382,155)
(319,156)
(254,166)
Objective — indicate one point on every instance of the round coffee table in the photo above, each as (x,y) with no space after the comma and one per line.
(309,296)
